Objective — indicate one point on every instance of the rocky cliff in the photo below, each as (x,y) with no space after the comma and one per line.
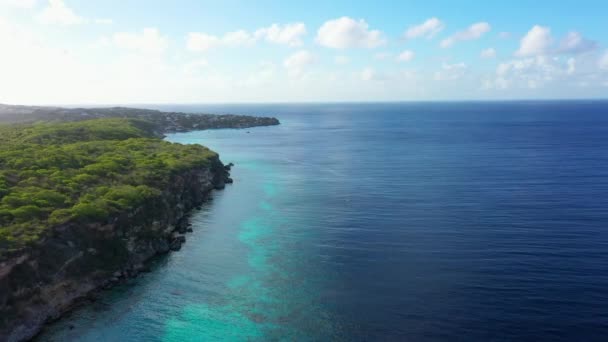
(75,260)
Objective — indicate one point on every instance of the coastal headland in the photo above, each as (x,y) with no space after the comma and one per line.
(88,196)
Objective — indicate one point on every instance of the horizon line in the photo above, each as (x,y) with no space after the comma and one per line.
(132,104)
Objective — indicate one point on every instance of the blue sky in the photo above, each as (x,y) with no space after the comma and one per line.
(108,52)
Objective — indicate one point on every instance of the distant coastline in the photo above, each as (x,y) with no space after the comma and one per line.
(165,122)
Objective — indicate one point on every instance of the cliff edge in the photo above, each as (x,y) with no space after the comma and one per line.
(86,204)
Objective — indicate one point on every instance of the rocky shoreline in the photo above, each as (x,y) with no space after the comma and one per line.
(75,262)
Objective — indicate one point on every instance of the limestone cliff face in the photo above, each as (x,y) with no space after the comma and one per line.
(75,260)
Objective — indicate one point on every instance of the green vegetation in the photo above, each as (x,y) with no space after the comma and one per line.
(163,121)
(86,171)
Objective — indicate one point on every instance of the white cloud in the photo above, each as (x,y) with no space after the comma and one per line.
(536,42)
(195,66)
(474,31)
(488,53)
(341,60)
(533,72)
(298,62)
(427,29)
(149,40)
(101,43)
(369,74)
(33,71)
(201,42)
(262,76)
(32,65)
(574,42)
(57,12)
(238,38)
(406,56)
(346,32)
(382,56)
(603,62)
(299,59)
(504,35)
(450,72)
(104,21)
(18,3)
(571,66)
(539,42)
(290,34)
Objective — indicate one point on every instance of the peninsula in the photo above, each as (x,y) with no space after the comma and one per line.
(87,196)
(164,122)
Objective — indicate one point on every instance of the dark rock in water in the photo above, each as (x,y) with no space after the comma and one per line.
(189,230)
(182,226)
(175,246)
(176,243)
(229,180)
(72,327)
(163,247)
(92,297)
(229,166)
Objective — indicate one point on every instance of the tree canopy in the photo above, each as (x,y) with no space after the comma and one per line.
(86,171)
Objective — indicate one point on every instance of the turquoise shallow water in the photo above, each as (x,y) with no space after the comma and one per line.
(400,222)
(244,274)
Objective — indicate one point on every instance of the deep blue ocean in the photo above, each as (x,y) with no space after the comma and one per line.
(467,221)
